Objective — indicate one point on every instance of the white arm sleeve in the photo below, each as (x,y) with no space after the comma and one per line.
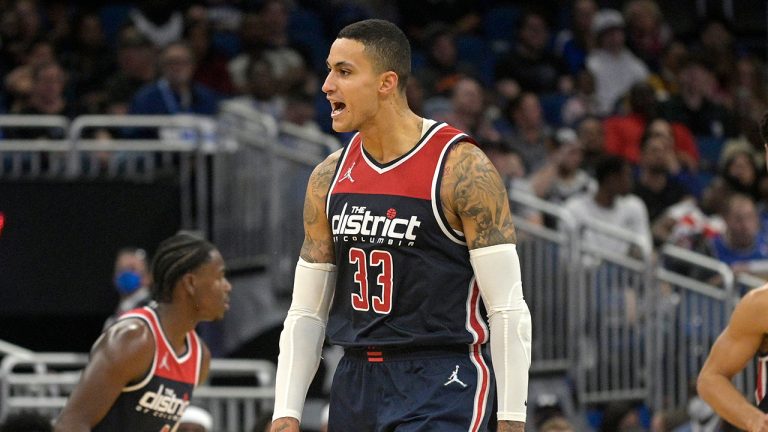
(302,338)
(497,269)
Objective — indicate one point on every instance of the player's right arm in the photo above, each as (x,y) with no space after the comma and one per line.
(301,340)
(122,355)
(735,346)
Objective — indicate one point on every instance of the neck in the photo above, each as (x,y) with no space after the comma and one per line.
(176,323)
(392,133)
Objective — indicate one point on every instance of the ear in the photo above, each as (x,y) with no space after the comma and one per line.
(388,82)
(188,282)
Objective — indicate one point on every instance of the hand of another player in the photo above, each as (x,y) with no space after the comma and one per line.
(510,426)
(285,424)
(758,423)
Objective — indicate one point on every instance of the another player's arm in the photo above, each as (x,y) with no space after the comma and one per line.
(304,330)
(121,356)
(475,202)
(736,346)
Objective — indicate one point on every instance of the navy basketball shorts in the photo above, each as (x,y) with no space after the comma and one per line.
(446,389)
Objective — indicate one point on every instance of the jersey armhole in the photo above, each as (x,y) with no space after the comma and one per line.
(437,203)
(150,372)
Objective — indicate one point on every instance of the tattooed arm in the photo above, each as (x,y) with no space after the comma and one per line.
(476,203)
(474,199)
(304,330)
(318,240)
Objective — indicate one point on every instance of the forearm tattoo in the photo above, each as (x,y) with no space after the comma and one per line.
(511,426)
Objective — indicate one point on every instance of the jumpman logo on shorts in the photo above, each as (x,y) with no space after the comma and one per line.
(348,174)
(454,378)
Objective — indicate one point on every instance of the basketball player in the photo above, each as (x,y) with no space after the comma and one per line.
(745,336)
(143,369)
(405,229)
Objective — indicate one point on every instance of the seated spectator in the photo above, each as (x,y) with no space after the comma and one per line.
(696,105)
(443,69)
(583,101)
(211,65)
(655,184)
(623,133)
(573,44)
(175,92)
(137,67)
(561,177)
(530,64)
(525,130)
(132,280)
(468,111)
(262,93)
(614,67)
(19,81)
(742,245)
(622,416)
(613,204)
(647,33)
(739,171)
(195,419)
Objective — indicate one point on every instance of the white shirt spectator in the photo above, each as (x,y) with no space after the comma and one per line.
(614,75)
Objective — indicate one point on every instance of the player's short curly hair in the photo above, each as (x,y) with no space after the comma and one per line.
(175,257)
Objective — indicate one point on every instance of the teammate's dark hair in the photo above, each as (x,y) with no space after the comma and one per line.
(175,257)
(764,128)
(385,44)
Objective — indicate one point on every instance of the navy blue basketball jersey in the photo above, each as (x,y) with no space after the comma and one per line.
(404,276)
(157,402)
(761,389)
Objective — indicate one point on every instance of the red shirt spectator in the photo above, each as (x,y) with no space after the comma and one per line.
(624,133)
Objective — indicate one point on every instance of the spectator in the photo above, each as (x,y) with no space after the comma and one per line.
(573,44)
(443,68)
(742,245)
(665,81)
(264,33)
(195,419)
(530,64)
(623,133)
(525,130)
(647,33)
(91,62)
(136,61)
(583,101)
(132,280)
(696,106)
(655,185)
(20,80)
(468,111)
(739,171)
(175,92)
(614,67)
(622,416)
(262,93)
(613,204)
(211,66)
(29,421)
(561,177)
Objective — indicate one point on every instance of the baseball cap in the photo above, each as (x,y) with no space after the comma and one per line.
(607,19)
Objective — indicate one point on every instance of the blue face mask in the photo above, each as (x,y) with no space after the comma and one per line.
(128,282)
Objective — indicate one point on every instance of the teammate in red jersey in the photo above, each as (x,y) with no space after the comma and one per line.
(405,229)
(144,368)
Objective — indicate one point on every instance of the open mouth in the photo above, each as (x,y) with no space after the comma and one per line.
(338,108)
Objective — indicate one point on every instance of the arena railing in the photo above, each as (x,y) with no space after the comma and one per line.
(27,157)
(238,391)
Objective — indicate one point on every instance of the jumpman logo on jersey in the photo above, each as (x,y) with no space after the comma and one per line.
(164,363)
(454,378)
(348,174)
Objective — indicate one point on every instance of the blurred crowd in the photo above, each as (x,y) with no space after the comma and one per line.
(614,109)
